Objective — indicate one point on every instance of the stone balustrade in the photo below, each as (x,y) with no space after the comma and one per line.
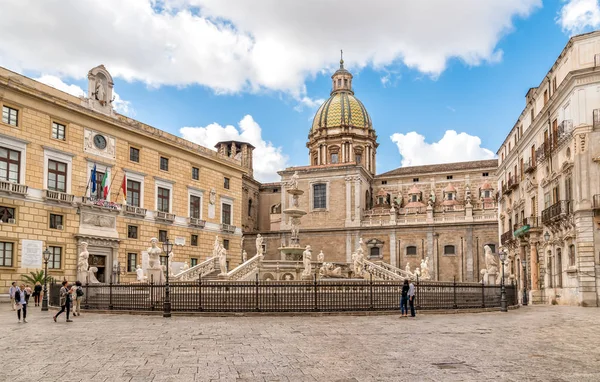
(165,216)
(245,271)
(379,272)
(13,188)
(57,196)
(135,211)
(204,268)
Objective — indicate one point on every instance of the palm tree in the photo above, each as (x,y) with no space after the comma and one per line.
(33,277)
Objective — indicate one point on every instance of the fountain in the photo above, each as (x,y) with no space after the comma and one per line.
(293,251)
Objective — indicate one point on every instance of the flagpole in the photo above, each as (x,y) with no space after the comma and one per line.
(88,183)
(111,182)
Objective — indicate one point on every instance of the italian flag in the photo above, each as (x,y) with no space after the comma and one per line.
(124,188)
(105,185)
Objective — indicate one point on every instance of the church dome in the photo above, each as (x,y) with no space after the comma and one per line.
(342,109)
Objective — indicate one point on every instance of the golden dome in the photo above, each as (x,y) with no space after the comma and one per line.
(342,109)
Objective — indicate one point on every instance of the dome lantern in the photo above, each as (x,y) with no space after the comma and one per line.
(341,79)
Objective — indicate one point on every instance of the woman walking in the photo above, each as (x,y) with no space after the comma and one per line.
(21,299)
(65,301)
(404,299)
(37,292)
(78,296)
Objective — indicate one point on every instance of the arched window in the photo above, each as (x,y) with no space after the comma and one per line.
(449,250)
(374,252)
(558,268)
(411,250)
(572,255)
(249,207)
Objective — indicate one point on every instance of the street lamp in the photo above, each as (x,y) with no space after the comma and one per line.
(46,254)
(524,263)
(547,236)
(503,306)
(167,248)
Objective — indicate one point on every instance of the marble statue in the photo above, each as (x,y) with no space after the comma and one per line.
(170,263)
(321,257)
(468,194)
(328,270)
(306,260)
(92,275)
(223,260)
(407,268)
(359,249)
(259,244)
(216,246)
(294,181)
(140,274)
(82,263)
(185,266)
(212,197)
(491,266)
(417,272)
(100,93)
(398,199)
(432,196)
(244,256)
(154,254)
(357,260)
(392,210)
(425,269)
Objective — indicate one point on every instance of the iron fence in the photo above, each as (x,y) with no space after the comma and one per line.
(288,296)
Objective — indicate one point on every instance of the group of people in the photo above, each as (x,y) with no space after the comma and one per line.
(70,295)
(408,297)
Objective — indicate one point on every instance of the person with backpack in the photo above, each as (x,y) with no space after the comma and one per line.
(65,301)
(411,298)
(37,292)
(78,297)
(404,299)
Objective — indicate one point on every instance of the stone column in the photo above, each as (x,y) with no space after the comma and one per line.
(349,247)
(343,153)
(319,154)
(357,192)
(533,268)
(348,200)
(393,255)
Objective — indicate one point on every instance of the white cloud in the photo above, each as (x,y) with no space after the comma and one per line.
(577,16)
(453,147)
(268,159)
(451,109)
(385,80)
(307,102)
(241,45)
(120,105)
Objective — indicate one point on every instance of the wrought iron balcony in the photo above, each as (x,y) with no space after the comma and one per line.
(135,211)
(506,237)
(58,196)
(565,131)
(13,188)
(525,226)
(197,222)
(557,211)
(165,216)
(506,190)
(513,182)
(529,166)
(228,228)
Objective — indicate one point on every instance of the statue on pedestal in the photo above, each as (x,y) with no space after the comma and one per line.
(259,245)
(216,246)
(82,262)
(92,275)
(294,181)
(321,257)
(417,272)
(223,260)
(491,266)
(407,268)
(170,263)
(244,256)
(185,266)
(154,254)
(306,260)
(140,273)
(357,260)
(425,269)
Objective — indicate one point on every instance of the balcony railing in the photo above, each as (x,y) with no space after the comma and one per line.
(506,190)
(165,216)
(227,228)
(58,196)
(529,166)
(13,188)
(513,182)
(100,203)
(596,202)
(596,119)
(565,131)
(523,227)
(197,222)
(557,211)
(135,211)
(506,237)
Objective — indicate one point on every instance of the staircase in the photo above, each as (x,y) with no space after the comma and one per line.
(380,272)
(207,268)
(400,272)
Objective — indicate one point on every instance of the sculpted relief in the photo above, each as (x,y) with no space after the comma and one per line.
(98,220)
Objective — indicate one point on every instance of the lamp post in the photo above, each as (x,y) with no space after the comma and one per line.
(167,247)
(503,306)
(546,237)
(46,254)
(524,263)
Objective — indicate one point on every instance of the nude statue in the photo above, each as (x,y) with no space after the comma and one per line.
(244,256)
(294,181)
(306,260)
(154,254)
(140,273)
(82,264)
(259,244)
(223,260)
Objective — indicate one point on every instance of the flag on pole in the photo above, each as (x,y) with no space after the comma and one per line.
(124,188)
(105,185)
(93,179)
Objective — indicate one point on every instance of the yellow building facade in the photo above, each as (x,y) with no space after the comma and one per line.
(50,143)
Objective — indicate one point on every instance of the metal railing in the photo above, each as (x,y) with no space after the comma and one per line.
(513,181)
(288,296)
(506,237)
(13,188)
(557,211)
(529,166)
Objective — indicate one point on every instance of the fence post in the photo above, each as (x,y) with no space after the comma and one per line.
(371,292)
(482,295)
(416,299)
(316,299)
(257,298)
(151,292)
(454,306)
(200,292)
(87,290)
(110,297)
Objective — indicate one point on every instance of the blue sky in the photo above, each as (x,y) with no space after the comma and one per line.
(481,96)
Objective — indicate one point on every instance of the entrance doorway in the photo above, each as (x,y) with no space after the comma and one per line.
(99,261)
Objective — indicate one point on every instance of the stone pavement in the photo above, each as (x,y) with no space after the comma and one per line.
(541,343)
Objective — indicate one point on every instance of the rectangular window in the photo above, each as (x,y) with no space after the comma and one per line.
(226,183)
(226,244)
(164,195)
(195,207)
(55,257)
(134,154)
(99,192)
(6,254)
(56,221)
(57,176)
(411,250)
(10,115)
(384,182)
(334,158)
(162,235)
(194,241)
(449,250)
(415,180)
(193,262)
(10,162)
(546,200)
(492,247)
(449,177)
(568,189)
(6,214)
(485,174)
(131,262)
(226,213)
(133,193)
(132,232)
(58,131)
(319,196)
(195,173)
(164,164)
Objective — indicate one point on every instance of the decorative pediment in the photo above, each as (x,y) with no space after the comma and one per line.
(567,167)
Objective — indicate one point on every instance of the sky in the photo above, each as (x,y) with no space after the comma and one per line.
(443,81)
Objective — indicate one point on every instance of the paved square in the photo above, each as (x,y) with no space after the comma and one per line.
(533,343)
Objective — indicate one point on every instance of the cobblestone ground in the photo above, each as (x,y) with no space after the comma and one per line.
(529,344)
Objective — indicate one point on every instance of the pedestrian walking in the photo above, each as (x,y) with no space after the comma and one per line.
(411,298)
(21,299)
(65,301)
(78,296)
(404,299)
(37,292)
(11,291)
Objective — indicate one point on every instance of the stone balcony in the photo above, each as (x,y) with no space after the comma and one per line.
(13,188)
(227,228)
(165,216)
(195,222)
(57,196)
(134,211)
(100,204)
